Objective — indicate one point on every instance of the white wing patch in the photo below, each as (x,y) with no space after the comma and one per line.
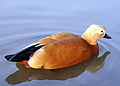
(32,45)
(39,51)
(29,45)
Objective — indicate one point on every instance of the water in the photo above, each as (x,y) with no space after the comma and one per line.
(26,21)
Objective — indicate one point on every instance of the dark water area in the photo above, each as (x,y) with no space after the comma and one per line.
(23,22)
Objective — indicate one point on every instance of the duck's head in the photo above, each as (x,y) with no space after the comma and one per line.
(93,33)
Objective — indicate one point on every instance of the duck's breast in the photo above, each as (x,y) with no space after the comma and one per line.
(94,49)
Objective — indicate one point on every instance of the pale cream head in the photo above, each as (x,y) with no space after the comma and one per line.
(93,33)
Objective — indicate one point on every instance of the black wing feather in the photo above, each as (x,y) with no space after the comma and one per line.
(24,54)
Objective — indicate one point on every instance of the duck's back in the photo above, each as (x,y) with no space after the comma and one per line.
(59,36)
(55,37)
(62,53)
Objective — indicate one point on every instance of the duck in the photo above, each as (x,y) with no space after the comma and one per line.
(61,50)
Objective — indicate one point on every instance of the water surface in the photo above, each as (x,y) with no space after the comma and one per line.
(23,22)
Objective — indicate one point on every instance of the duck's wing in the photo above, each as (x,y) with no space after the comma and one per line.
(25,53)
(66,52)
(61,53)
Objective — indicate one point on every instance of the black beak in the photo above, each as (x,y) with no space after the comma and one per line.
(106,36)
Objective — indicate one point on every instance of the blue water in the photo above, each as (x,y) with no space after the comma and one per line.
(23,22)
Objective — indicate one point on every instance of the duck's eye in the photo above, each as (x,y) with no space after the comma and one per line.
(100,31)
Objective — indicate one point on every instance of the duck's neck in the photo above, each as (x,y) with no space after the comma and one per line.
(89,39)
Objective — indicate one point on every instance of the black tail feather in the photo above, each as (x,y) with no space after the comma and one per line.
(25,54)
(18,57)
(9,57)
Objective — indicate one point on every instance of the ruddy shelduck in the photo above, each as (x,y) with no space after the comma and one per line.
(61,50)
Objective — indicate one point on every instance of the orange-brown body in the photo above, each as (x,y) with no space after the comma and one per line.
(63,50)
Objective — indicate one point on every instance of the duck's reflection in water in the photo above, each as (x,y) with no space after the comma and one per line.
(26,74)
